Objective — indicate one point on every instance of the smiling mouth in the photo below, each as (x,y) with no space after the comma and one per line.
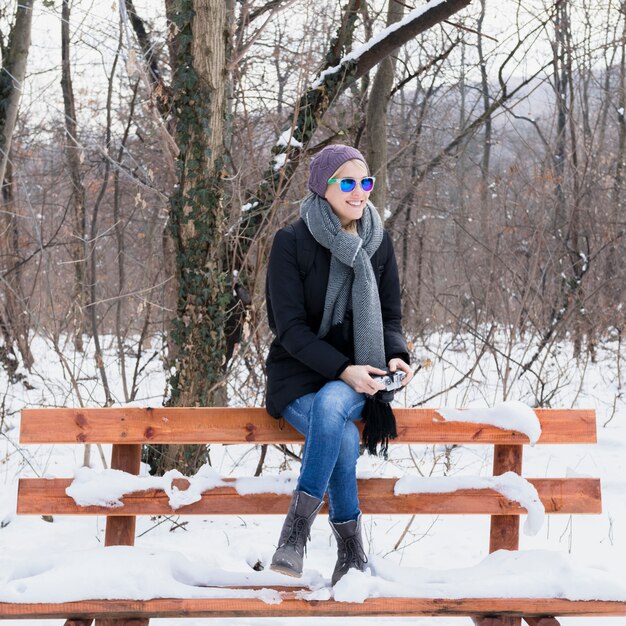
(354,203)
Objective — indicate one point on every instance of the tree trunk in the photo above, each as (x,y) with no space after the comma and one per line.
(377,117)
(14,314)
(484,164)
(77,249)
(197,217)
(561,91)
(14,321)
(617,190)
(13,72)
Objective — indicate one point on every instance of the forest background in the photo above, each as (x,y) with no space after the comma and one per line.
(151,150)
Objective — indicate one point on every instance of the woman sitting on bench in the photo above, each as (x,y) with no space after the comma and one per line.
(333,301)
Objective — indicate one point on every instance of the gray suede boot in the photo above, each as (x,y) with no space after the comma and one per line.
(350,552)
(296,531)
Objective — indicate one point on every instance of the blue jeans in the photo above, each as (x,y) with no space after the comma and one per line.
(331,445)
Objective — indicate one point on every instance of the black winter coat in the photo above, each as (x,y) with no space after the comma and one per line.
(299,362)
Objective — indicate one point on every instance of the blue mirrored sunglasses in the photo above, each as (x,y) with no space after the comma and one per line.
(348,184)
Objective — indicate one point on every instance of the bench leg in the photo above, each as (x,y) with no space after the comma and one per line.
(78,622)
(120,531)
(504,533)
(124,621)
(496,620)
(504,620)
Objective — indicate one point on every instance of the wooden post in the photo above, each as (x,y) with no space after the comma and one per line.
(542,621)
(505,528)
(504,533)
(78,622)
(120,531)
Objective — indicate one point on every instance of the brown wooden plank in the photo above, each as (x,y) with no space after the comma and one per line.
(43,496)
(120,530)
(291,606)
(241,425)
(504,531)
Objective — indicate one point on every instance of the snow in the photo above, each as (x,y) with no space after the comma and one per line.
(510,415)
(574,556)
(119,572)
(107,487)
(287,139)
(502,574)
(279,161)
(360,50)
(283,484)
(249,205)
(124,572)
(509,484)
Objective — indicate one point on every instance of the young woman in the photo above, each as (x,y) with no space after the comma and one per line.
(333,301)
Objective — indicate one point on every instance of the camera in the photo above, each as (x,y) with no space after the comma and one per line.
(392,382)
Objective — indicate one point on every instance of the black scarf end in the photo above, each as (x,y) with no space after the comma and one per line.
(380,426)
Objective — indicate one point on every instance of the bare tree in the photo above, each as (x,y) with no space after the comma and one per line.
(376,119)
(14,59)
(73,152)
(14,320)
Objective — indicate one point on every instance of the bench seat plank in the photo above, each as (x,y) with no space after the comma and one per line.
(245,425)
(559,495)
(292,606)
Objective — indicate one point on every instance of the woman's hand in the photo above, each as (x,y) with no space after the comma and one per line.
(359,377)
(399,364)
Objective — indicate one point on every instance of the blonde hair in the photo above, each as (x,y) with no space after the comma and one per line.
(356,162)
(351,228)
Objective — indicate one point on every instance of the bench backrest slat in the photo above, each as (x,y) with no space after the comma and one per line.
(233,425)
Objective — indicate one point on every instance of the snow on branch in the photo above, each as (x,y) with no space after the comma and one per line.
(366,56)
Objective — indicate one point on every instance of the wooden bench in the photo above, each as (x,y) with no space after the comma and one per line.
(128,428)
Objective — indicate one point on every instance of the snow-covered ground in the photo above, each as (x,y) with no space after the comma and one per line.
(40,555)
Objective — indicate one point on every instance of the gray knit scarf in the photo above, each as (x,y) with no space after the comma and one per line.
(351,281)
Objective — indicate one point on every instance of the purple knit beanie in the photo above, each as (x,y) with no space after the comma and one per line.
(326,162)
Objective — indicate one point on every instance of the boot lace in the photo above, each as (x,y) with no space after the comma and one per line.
(300,533)
(352,553)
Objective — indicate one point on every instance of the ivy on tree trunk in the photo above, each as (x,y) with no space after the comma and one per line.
(197,221)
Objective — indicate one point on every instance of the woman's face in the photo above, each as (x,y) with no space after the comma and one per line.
(348,206)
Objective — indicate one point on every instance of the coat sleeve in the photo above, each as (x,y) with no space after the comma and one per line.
(391,308)
(285,292)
